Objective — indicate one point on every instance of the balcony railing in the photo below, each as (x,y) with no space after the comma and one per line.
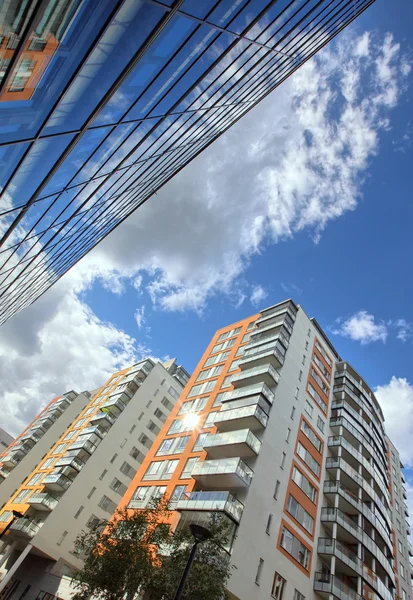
(250,390)
(264,350)
(105,420)
(230,471)
(114,405)
(232,443)
(212,501)
(328,584)
(370,401)
(252,417)
(335,548)
(70,461)
(25,527)
(95,430)
(57,481)
(265,373)
(83,444)
(42,501)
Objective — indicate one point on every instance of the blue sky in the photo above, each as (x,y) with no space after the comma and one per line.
(309,197)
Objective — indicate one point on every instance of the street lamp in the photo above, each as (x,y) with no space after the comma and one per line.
(201,534)
(16,515)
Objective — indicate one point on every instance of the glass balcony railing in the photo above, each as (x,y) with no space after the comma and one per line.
(272,375)
(247,443)
(95,430)
(252,416)
(104,419)
(212,501)
(250,390)
(371,401)
(329,584)
(42,501)
(215,470)
(70,461)
(84,444)
(57,481)
(335,548)
(265,350)
(25,527)
(114,405)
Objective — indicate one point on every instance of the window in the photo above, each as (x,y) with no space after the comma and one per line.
(172,391)
(92,491)
(136,454)
(77,513)
(282,461)
(118,487)
(124,442)
(300,376)
(245,338)
(306,345)
(234,365)
(163,381)
(21,496)
(156,392)
(308,459)
(278,586)
(298,595)
(223,345)
(161,469)
(287,439)
(320,424)
(323,353)
(93,521)
(193,405)
(149,403)
(168,405)
(227,382)
(276,490)
(103,474)
(47,464)
(209,421)
(397,506)
(308,408)
(70,435)
(259,571)
(295,548)
(173,445)
(269,521)
(399,525)
(320,382)
(240,351)
(177,493)
(80,423)
(127,470)
(140,416)
(201,388)
(61,539)
(322,367)
(143,439)
(212,360)
(400,547)
(132,429)
(199,444)
(304,485)
(153,427)
(402,571)
(218,399)
(59,448)
(212,372)
(309,333)
(189,465)
(404,595)
(297,391)
(303,359)
(160,415)
(292,413)
(309,433)
(300,514)
(107,505)
(6,516)
(112,460)
(140,494)
(35,479)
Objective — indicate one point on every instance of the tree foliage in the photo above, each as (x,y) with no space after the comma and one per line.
(137,552)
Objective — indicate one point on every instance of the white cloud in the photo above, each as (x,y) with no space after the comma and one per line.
(140,316)
(294,163)
(291,288)
(258,295)
(396,400)
(404,329)
(362,327)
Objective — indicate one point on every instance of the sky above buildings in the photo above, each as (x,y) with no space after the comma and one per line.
(308,196)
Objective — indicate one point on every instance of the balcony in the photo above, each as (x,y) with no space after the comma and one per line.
(246,417)
(33,435)
(326,584)
(212,501)
(265,353)
(9,461)
(115,405)
(56,482)
(263,373)
(331,547)
(242,443)
(47,420)
(410,548)
(24,528)
(277,311)
(104,420)
(95,430)
(225,474)
(42,501)
(63,403)
(72,462)
(85,444)
(259,389)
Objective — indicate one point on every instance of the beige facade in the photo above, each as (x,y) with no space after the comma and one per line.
(83,476)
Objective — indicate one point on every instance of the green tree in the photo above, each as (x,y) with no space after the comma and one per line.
(137,552)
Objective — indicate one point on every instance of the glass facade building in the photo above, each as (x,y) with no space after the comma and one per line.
(103,101)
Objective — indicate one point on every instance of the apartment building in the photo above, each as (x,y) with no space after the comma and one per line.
(5,439)
(286,440)
(82,476)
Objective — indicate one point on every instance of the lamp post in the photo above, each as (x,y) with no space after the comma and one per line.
(16,515)
(201,534)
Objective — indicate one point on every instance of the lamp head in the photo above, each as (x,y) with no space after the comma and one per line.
(201,534)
